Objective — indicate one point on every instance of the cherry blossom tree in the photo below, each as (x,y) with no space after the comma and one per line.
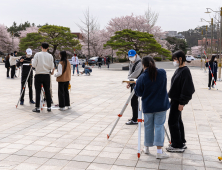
(196,50)
(32,29)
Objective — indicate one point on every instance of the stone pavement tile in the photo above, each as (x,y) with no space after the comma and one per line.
(56,162)
(213,153)
(16,158)
(49,167)
(83,158)
(109,154)
(70,151)
(170,166)
(185,167)
(128,156)
(94,148)
(104,160)
(25,152)
(51,149)
(2,145)
(193,151)
(116,167)
(64,156)
(16,146)
(96,166)
(26,166)
(34,147)
(89,153)
(75,146)
(25,142)
(192,157)
(42,142)
(36,160)
(42,154)
(193,162)
(112,149)
(3,156)
(8,150)
(210,158)
(151,165)
(8,164)
(124,162)
(177,161)
(213,164)
(73,165)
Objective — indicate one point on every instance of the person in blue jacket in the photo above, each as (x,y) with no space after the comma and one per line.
(213,66)
(152,87)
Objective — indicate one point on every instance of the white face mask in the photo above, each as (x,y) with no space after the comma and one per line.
(28,55)
(176,64)
(132,58)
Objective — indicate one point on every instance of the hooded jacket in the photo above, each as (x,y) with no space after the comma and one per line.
(134,74)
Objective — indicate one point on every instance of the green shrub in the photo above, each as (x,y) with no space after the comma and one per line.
(170,58)
(121,60)
(20,53)
(157,58)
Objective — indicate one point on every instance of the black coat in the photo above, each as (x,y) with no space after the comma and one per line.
(7,63)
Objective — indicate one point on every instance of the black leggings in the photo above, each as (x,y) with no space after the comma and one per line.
(12,71)
(134,105)
(7,73)
(210,79)
(63,94)
(176,126)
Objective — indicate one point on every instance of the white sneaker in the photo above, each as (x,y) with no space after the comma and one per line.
(213,86)
(209,88)
(146,150)
(69,107)
(62,108)
(162,155)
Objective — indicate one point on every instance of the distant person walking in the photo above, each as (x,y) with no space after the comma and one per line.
(100,61)
(107,62)
(75,62)
(43,64)
(7,65)
(152,87)
(63,77)
(213,65)
(181,91)
(12,62)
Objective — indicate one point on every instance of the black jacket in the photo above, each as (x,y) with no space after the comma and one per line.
(7,63)
(25,66)
(182,87)
(213,66)
(100,60)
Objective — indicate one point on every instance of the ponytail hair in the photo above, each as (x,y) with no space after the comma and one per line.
(149,63)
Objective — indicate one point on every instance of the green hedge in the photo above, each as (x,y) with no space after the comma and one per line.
(157,58)
(121,60)
(170,58)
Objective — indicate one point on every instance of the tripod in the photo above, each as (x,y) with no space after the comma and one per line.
(23,88)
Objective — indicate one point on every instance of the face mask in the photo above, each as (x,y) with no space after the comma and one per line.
(132,58)
(28,55)
(176,64)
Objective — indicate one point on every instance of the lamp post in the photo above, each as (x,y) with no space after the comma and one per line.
(220,12)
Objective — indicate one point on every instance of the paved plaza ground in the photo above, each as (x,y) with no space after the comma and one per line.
(76,139)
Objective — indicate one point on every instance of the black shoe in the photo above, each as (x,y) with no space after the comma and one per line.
(49,109)
(15,76)
(131,122)
(32,102)
(36,110)
(51,101)
(21,102)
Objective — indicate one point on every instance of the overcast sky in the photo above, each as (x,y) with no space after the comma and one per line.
(177,15)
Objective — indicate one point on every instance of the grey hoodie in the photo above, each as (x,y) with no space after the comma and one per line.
(138,69)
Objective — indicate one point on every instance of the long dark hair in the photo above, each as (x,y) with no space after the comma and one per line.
(149,63)
(7,57)
(178,54)
(212,59)
(63,56)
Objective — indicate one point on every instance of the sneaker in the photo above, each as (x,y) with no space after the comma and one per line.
(8,77)
(172,149)
(162,155)
(21,102)
(16,76)
(78,74)
(36,110)
(89,74)
(12,78)
(213,87)
(32,102)
(49,109)
(69,107)
(131,122)
(62,108)
(73,75)
(209,88)
(184,146)
(146,150)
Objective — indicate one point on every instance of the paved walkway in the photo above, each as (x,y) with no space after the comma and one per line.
(76,138)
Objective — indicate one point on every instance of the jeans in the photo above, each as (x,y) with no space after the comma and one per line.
(134,105)
(63,94)
(154,128)
(176,126)
(210,79)
(42,79)
(77,67)
(86,71)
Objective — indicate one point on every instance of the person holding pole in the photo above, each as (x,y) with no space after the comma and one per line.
(152,87)
(25,62)
(75,62)
(213,66)
(63,77)
(43,64)
(180,93)
(135,70)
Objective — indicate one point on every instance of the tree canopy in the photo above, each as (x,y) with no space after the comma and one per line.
(58,37)
(141,42)
(180,44)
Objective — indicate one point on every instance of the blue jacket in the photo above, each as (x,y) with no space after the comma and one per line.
(213,66)
(154,94)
